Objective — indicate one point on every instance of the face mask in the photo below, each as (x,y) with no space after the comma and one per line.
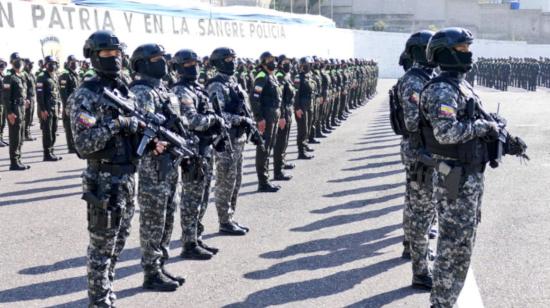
(110,66)
(448,61)
(51,67)
(306,68)
(17,64)
(189,73)
(73,66)
(157,69)
(286,67)
(228,68)
(271,65)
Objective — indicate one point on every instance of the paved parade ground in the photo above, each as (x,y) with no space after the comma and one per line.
(330,238)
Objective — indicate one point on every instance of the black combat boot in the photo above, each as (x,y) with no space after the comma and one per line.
(268,187)
(193,251)
(213,250)
(304,155)
(51,157)
(231,228)
(289,166)
(157,281)
(423,282)
(178,279)
(281,176)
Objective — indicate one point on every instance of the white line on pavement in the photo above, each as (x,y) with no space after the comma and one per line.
(470,296)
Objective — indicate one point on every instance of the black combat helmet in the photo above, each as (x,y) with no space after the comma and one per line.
(142,54)
(441,51)
(103,40)
(416,46)
(50,59)
(217,59)
(14,56)
(181,57)
(71,58)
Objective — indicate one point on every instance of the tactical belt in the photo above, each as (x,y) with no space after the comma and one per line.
(117,170)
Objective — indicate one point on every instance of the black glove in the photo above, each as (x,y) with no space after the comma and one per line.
(128,125)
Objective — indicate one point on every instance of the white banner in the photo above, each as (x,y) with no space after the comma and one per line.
(40,29)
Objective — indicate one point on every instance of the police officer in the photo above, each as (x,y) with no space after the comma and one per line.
(107,140)
(419,212)
(266,103)
(453,133)
(49,102)
(3,111)
(31,94)
(302,106)
(157,176)
(285,122)
(224,90)
(69,81)
(15,100)
(196,179)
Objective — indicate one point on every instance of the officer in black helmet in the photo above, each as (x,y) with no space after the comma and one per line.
(31,95)
(49,103)
(108,141)
(195,106)
(224,90)
(302,105)
(265,102)
(16,101)
(69,81)
(3,65)
(285,122)
(157,177)
(455,134)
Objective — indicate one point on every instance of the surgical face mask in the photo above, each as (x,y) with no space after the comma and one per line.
(271,65)
(17,64)
(51,67)
(286,67)
(73,66)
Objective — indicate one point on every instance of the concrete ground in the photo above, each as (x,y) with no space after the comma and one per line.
(330,238)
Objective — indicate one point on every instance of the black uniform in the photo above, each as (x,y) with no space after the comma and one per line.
(69,81)
(49,100)
(265,103)
(15,98)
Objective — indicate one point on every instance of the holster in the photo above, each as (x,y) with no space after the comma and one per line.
(103,211)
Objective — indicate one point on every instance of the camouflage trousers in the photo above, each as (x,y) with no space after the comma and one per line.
(156,198)
(407,158)
(107,240)
(229,171)
(458,221)
(194,202)
(421,214)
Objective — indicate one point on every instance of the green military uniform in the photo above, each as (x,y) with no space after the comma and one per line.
(49,100)
(69,81)
(15,97)
(265,103)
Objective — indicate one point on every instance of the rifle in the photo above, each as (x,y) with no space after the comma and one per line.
(504,143)
(223,140)
(153,126)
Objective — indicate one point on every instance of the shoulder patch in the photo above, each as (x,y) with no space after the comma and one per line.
(414,98)
(86,119)
(447,111)
(261,75)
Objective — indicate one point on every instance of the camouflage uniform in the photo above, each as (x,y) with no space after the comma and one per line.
(195,106)
(419,211)
(156,189)
(445,109)
(109,176)
(229,165)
